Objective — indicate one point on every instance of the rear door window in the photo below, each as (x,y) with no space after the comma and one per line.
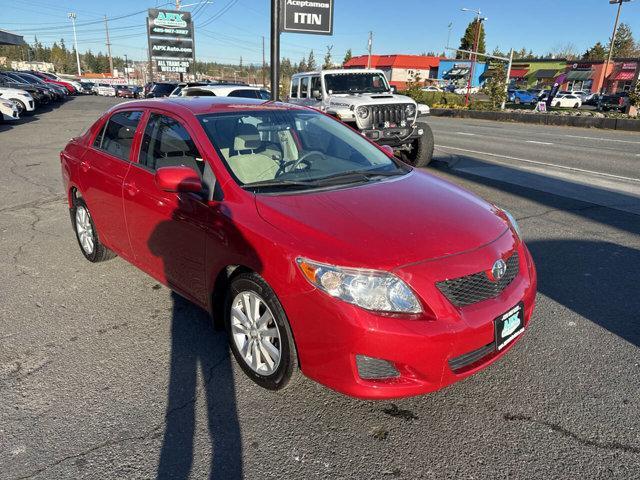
(295,83)
(117,135)
(244,94)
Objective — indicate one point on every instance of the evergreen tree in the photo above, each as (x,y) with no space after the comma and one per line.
(467,40)
(328,63)
(347,56)
(311,61)
(597,52)
(302,66)
(625,45)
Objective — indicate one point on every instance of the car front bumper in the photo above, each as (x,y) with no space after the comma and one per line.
(393,136)
(425,350)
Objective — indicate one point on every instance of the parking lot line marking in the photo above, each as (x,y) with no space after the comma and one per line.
(602,138)
(466,133)
(539,143)
(535,162)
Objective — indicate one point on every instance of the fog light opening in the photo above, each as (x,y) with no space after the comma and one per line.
(370,368)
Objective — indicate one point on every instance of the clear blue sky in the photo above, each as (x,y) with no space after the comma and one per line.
(228,29)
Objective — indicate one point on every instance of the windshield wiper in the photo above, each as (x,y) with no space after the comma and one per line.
(363,175)
(280,183)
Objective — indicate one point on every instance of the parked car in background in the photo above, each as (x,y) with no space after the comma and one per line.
(617,102)
(578,93)
(21,98)
(592,99)
(70,89)
(563,100)
(225,90)
(431,88)
(257,212)
(159,89)
(8,111)
(124,91)
(522,96)
(105,90)
(40,95)
(463,90)
(59,93)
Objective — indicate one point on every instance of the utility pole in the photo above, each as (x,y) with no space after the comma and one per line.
(126,67)
(72,16)
(369,45)
(613,40)
(264,66)
(506,88)
(178,5)
(106,28)
(275,50)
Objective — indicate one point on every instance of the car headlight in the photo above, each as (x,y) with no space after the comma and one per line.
(362,111)
(513,222)
(410,110)
(370,289)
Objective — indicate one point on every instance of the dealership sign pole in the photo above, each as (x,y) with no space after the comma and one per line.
(296,16)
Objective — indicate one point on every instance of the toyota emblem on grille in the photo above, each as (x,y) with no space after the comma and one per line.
(498,270)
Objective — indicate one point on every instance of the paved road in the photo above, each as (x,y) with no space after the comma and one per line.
(601,166)
(103,374)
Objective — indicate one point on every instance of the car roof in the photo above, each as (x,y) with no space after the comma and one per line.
(200,105)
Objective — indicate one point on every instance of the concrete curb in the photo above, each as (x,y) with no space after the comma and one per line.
(541,119)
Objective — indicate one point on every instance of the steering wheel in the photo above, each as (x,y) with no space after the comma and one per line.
(293,164)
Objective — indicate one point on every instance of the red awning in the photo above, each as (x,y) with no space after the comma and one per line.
(518,72)
(624,75)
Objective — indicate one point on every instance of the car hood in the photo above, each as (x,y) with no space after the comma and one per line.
(347,100)
(384,224)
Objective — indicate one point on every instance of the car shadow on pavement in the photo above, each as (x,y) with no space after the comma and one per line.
(201,373)
(597,280)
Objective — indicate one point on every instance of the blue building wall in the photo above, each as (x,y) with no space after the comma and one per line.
(478,71)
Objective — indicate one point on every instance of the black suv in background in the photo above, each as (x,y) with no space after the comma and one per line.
(616,101)
(158,89)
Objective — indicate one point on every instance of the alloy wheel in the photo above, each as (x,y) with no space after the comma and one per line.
(255,333)
(84,230)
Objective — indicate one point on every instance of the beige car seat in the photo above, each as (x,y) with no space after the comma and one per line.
(248,161)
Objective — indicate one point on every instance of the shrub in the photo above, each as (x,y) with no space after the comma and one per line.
(435,98)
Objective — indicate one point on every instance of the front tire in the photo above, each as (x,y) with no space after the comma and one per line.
(87,235)
(259,333)
(421,151)
(22,108)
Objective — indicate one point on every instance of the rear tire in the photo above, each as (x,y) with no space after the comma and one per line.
(421,148)
(248,333)
(87,235)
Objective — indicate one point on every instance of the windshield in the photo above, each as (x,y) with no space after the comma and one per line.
(355,83)
(299,148)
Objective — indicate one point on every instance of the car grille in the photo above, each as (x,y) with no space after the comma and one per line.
(394,113)
(478,286)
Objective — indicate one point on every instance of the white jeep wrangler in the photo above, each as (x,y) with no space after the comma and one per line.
(363,99)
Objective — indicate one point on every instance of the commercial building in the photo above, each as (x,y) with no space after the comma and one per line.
(400,69)
(456,71)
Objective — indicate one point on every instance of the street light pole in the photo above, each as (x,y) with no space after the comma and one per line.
(476,41)
(613,40)
(126,67)
(72,16)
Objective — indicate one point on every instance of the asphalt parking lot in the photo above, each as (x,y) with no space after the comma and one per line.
(106,374)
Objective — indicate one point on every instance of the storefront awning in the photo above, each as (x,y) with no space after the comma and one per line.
(519,72)
(579,75)
(8,38)
(543,73)
(624,75)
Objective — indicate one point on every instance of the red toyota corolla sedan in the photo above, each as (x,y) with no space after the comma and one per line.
(320,251)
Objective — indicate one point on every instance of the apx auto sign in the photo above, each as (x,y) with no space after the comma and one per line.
(307,16)
(171,44)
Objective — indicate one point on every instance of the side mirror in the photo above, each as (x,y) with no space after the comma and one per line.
(387,149)
(394,89)
(317,94)
(178,179)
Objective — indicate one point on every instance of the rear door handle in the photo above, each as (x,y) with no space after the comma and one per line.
(85,166)
(131,189)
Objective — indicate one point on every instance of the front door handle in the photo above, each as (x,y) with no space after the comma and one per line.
(131,189)
(84,166)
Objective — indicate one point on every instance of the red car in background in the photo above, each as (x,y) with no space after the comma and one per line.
(318,250)
(70,89)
